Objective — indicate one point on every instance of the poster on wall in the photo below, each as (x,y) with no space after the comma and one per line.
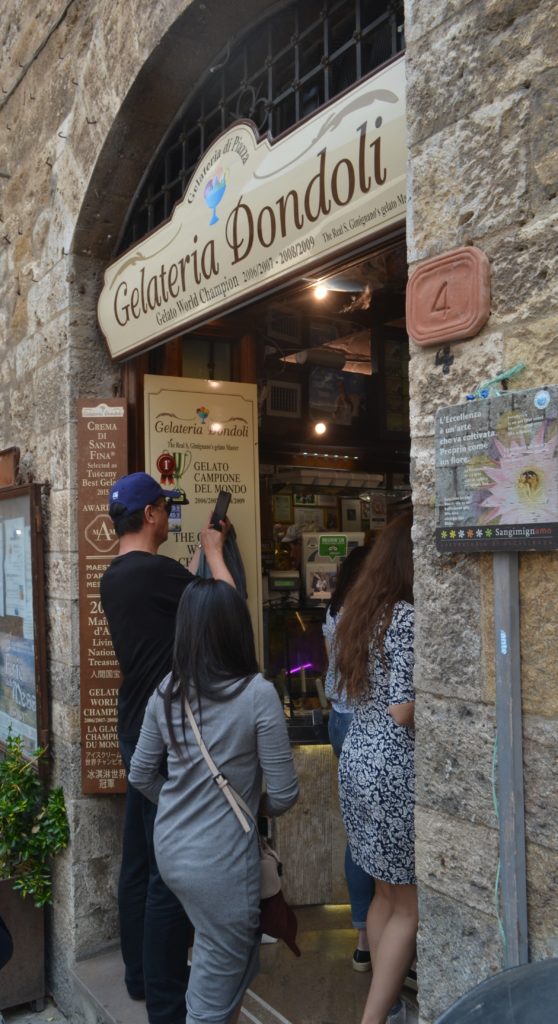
(497,473)
(102,458)
(202,437)
(23,704)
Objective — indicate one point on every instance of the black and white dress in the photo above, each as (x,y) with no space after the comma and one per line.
(376,767)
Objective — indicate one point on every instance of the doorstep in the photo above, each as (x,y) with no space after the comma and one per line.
(318,988)
(100,981)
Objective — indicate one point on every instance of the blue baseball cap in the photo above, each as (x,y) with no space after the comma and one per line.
(135,491)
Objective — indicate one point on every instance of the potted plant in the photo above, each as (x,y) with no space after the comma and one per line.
(33,827)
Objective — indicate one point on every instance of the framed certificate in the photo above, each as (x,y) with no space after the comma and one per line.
(23,703)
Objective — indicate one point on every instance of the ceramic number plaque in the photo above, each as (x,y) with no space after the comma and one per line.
(448,297)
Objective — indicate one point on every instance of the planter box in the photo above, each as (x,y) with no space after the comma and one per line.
(22,980)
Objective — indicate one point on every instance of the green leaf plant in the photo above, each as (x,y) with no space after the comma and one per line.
(33,823)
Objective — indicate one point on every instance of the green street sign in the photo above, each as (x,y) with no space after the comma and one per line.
(333,546)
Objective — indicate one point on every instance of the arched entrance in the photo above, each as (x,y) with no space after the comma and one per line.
(336,47)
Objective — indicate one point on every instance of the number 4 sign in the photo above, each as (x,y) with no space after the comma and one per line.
(448,297)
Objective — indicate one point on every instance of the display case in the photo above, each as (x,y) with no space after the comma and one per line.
(296,662)
(23,704)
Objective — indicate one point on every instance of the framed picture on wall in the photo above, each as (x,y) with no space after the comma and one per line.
(350,514)
(320,581)
(282,508)
(304,500)
(23,694)
(310,518)
(326,500)
(331,519)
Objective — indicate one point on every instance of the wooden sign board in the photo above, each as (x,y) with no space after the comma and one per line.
(102,458)
(9,466)
(497,473)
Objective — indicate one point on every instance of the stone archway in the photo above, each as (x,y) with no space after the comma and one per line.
(132,80)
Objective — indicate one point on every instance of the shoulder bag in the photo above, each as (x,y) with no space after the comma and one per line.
(276,917)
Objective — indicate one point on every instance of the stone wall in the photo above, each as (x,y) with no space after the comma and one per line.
(86,91)
(483,163)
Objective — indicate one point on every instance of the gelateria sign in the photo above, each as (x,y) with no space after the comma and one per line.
(256,212)
(202,437)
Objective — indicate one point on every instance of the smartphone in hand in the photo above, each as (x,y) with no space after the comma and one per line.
(220,510)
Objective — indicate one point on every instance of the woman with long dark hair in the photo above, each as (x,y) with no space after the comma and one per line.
(376,767)
(359,882)
(203,854)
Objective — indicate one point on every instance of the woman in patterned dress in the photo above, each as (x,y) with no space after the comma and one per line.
(376,767)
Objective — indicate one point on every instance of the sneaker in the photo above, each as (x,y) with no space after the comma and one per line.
(411,980)
(361,960)
(398,1013)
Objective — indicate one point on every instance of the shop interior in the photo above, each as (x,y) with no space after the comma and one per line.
(329,354)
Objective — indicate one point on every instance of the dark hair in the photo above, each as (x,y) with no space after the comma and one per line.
(126,522)
(350,568)
(214,642)
(385,578)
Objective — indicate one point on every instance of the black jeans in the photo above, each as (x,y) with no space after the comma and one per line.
(154,930)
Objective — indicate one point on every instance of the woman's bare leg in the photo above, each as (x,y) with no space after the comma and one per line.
(392,935)
(379,913)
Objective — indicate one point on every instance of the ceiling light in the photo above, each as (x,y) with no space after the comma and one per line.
(320,291)
(320,428)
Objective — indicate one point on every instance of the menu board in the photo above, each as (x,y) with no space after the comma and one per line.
(102,458)
(497,473)
(22,655)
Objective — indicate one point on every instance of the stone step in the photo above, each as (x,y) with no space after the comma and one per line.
(318,988)
(106,1001)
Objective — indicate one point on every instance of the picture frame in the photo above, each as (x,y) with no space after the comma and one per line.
(310,517)
(23,686)
(350,514)
(282,508)
(331,519)
(320,581)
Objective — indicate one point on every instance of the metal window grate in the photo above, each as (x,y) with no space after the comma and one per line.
(286,67)
(283,399)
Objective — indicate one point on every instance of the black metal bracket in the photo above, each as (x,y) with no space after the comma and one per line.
(444,358)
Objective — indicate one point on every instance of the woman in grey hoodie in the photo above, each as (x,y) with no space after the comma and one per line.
(203,854)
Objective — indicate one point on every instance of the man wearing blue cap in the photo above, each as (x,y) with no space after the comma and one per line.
(140,592)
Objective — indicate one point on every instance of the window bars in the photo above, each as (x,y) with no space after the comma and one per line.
(285,68)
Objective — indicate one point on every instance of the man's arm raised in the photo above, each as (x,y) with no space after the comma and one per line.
(212,544)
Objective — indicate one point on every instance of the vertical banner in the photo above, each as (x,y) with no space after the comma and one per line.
(102,458)
(202,436)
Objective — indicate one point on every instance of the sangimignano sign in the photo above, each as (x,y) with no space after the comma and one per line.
(257,211)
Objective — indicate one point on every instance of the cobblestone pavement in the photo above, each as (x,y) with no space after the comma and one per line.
(25,1015)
